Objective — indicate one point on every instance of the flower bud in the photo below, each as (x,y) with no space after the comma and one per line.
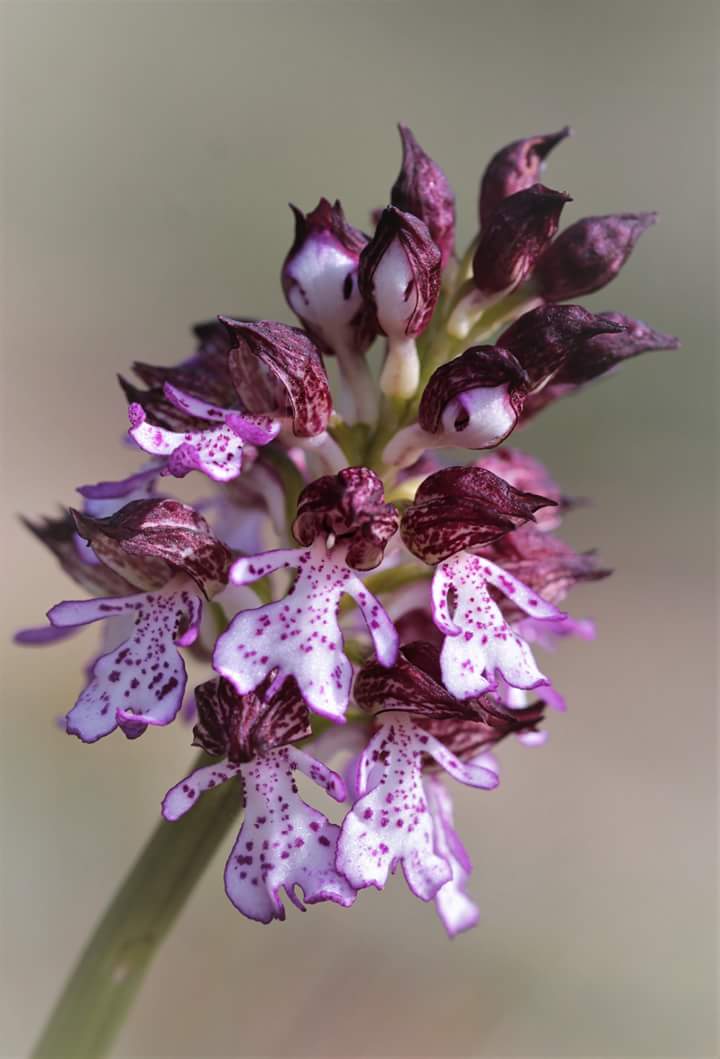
(400,280)
(423,190)
(514,168)
(319,278)
(472,402)
(349,506)
(515,236)
(148,540)
(464,508)
(241,727)
(278,371)
(606,351)
(475,400)
(588,254)
(543,339)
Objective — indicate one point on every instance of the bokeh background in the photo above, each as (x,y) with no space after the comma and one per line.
(149,150)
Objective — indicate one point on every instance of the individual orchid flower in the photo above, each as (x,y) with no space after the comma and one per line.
(344,525)
(166,547)
(473,402)
(215,450)
(516,234)
(419,726)
(588,255)
(515,168)
(423,189)
(400,279)
(320,282)
(452,513)
(278,371)
(283,842)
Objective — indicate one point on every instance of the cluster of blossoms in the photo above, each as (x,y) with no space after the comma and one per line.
(413,672)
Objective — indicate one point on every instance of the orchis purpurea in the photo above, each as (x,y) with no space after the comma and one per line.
(347,587)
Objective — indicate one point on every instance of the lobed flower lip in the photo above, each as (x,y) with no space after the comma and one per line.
(421,188)
(350,507)
(242,727)
(147,541)
(403,301)
(514,168)
(463,508)
(277,370)
(588,254)
(515,236)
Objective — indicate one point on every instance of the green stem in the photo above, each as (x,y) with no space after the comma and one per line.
(98,994)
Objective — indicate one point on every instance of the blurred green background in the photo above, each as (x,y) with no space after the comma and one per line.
(149,150)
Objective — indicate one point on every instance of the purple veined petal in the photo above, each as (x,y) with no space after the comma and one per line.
(42,635)
(299,635)
(456,910)
(180,798)
(283,842)
(390,823)
(143,680)
(479,642)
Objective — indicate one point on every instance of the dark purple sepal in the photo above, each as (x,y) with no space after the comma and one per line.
(480,367)
(204,375)
(60,537)
(413,685)
(148,540)
(421,274)
(514,168)
(277,370)
(543,339)
(423,190)
(464,508)
(351,507)
(588,254)
(515,236)
(467,739)
(242,727)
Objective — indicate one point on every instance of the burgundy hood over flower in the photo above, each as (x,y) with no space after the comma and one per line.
(347,591)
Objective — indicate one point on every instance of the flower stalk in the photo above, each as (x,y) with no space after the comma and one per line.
(92,1007)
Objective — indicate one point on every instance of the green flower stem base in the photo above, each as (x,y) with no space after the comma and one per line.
(93,1005)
